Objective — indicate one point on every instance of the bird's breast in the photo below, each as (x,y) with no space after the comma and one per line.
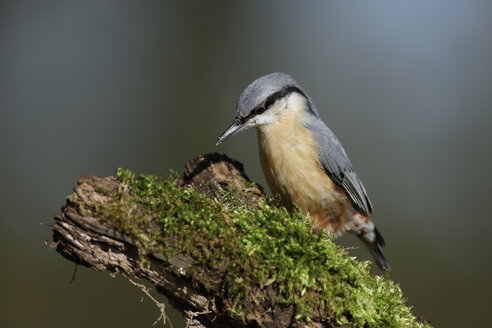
(289,158)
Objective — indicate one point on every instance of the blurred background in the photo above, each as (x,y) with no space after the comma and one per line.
(89,86)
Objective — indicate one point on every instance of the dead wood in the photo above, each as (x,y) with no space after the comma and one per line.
(82,236)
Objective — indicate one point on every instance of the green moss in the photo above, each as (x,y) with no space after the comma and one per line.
(261,247)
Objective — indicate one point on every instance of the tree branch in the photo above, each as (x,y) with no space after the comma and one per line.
(110,224)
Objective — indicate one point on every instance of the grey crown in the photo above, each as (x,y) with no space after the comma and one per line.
(260,89)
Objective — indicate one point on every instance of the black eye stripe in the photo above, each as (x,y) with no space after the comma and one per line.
(261,108)
(280,94)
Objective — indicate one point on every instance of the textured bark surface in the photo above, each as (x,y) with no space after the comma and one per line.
(83,237)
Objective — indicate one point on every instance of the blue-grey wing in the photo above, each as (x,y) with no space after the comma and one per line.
(337,165)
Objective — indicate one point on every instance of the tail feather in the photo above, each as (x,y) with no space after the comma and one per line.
(365,229)
(376,250)
(379,237)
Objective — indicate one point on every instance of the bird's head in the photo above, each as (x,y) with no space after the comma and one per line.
(263,102)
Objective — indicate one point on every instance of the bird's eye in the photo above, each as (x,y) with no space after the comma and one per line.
(260,110)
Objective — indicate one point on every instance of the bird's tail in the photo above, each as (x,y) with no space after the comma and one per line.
(372,238)
(376,249)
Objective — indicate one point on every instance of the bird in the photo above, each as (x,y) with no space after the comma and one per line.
(304,162)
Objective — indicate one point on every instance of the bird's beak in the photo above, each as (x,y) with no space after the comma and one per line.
(234,128)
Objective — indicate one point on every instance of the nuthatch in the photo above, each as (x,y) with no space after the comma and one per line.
(303,161)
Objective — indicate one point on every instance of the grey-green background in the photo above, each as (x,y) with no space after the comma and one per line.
(89,86)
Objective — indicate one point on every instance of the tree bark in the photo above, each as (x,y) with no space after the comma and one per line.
(111,225)
(82,236)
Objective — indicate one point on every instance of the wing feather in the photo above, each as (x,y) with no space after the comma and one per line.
(337,165)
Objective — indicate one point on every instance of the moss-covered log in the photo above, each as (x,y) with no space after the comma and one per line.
(215,245)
